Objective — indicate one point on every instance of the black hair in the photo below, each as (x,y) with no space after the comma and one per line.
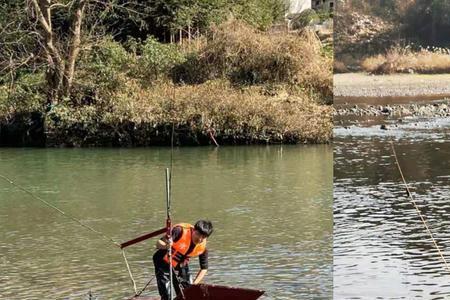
(204,227)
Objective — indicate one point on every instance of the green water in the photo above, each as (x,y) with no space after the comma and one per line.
(271,207)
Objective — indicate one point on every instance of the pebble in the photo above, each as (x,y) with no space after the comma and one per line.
(418,110)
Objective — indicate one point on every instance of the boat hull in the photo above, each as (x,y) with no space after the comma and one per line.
(214,292)
(217,292)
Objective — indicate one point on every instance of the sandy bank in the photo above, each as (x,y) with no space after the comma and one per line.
(405,87)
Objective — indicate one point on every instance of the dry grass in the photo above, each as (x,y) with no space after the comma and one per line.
(246,85)
(404,60)
(246,115)
(248,56)
(339,67)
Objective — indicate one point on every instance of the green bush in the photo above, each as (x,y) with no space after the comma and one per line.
(304,19)
(109,66)
(260,14)
(25,95)
(102,65)
(157,59)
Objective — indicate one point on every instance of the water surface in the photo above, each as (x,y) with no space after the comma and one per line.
(271,207)
(381,248)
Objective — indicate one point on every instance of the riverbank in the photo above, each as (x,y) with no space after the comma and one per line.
(363,85)
(360,94)
(427,110)
(198,114)
(240,86)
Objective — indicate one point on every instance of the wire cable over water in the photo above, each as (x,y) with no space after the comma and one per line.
(101,234)
(422,218)
(109,239)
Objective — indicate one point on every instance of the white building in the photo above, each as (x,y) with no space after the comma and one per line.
(297,6)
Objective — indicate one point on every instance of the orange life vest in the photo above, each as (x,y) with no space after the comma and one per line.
(181,247)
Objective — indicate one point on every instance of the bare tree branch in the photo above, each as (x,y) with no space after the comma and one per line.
(74,48)
(40,15)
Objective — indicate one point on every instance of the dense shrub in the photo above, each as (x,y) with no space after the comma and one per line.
(405,60)
(247,56)
(103,65)
(157,59)
(26,94)
(144,116)
(251,87)
(192,71)
(304,19)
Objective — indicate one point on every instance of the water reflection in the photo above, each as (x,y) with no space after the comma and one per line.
(271,207)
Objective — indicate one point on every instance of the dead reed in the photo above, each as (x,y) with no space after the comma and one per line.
(406,60)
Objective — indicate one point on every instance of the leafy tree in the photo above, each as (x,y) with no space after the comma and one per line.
(165,18)
(48,34)
(16,45)
(259,13)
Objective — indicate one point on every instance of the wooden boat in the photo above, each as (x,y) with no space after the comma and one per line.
(214,292)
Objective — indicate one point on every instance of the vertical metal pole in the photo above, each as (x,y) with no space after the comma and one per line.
(168,192)
(169,231)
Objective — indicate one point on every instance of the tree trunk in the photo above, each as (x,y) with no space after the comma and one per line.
(189,34)
(74,48)
(197,38)
(55,72)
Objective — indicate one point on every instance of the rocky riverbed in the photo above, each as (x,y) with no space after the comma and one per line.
(391,96)
(427,110)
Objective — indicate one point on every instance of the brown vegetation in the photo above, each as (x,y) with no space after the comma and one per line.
(339,67)
(144,116)
(365,29)
(243,85)
(404,60)
(245,55)
(357,36)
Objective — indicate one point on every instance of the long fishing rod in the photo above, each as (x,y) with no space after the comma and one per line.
(168,198)
(169,231)
(422,218)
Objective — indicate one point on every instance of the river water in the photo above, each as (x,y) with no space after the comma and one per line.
(381,247)
(271,207)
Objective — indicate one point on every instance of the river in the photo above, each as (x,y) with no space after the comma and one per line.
(381,247)
(271,208)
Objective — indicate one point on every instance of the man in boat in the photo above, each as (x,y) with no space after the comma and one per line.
(187,241)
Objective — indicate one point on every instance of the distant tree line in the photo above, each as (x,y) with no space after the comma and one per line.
(166,19)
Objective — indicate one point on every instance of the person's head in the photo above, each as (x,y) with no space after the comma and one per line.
(202,230)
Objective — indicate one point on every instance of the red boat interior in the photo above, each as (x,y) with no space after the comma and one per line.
(214,292)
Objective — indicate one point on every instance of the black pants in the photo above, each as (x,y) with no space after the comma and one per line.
(162,274)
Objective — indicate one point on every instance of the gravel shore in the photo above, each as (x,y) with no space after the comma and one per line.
(397,85)
(427,110)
